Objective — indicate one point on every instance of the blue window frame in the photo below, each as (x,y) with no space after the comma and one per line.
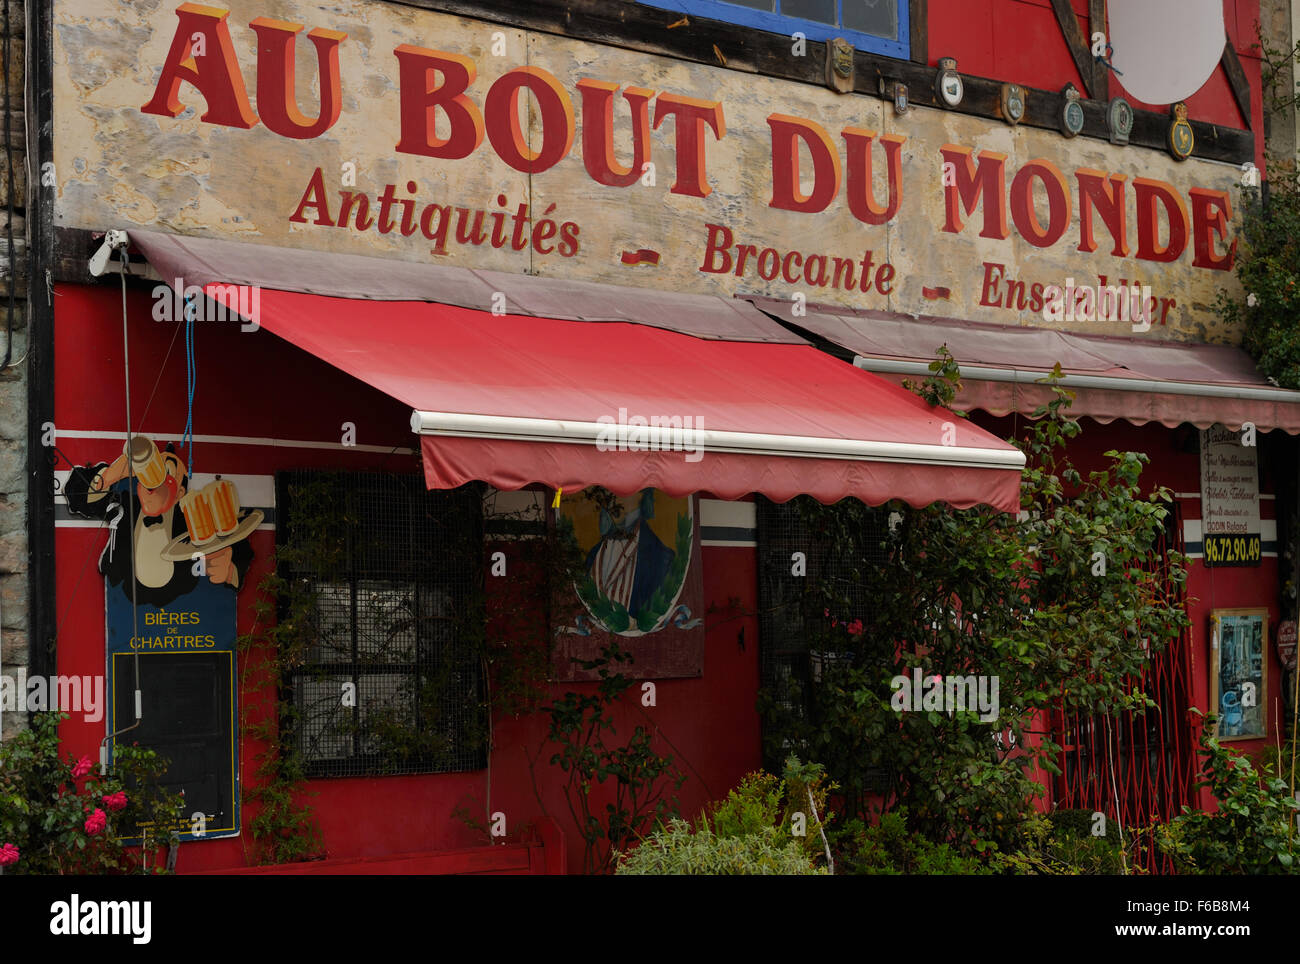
(880,26)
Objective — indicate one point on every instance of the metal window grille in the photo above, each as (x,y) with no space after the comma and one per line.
(792,609)
(390,575)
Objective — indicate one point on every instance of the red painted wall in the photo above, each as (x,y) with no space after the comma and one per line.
(254,385)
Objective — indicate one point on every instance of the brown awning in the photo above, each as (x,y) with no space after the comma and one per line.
(203,261)
(1134,379)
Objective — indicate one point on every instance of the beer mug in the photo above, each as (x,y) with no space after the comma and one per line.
(224,502)
(146,461)
(199,521)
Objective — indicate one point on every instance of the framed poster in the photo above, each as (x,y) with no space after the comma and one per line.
(1239,672)
(639,582)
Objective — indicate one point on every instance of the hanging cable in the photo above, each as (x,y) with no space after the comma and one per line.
(191,377)
(130,508)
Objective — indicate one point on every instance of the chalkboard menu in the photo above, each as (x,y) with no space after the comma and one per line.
(1230,497)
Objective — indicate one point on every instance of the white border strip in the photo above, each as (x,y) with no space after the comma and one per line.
(733,515)
(659,438)
(240,440)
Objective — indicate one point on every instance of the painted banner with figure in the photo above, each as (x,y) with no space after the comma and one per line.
(639,583)
(175,559)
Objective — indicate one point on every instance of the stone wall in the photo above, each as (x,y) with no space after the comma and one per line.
(1276,30)
(13,376)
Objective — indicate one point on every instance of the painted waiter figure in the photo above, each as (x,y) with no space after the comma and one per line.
(103,491)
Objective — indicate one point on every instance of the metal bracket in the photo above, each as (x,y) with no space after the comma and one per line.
(114,240)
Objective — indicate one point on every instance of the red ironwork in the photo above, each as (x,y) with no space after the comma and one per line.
(1137,768)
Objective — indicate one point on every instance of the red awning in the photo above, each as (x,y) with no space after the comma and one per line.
(1134,379)
(516,399)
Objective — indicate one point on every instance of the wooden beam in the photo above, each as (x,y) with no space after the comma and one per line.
(1100,72)
(1074,39)
(1237,79)
(919,27)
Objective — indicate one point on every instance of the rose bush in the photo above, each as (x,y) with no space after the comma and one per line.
(50,822)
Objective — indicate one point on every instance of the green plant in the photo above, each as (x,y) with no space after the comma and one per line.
(1267,305)
(1267,251)
(1063,843)
(1061,607)
(63,817)
(283,826)
(677,849)
(751,807)
(1253,830)
(792,804)
(581,724)
(890,847)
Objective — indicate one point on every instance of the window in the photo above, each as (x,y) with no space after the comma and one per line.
(793,608)
(880,26)
(385,578)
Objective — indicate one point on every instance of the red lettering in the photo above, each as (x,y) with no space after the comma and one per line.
(1022,204)
(420,101)
(692,116)
(1103,193)
(787,132)
(993,274)
(743,253)
(277,101)
(556,111)
(885,278)
(718,242)
(862,196)
(971,183)
(1149,193)
(598,132)
(314,197)
(1211,212)
(820,262)
(843,266)
(215,74)
(785,266)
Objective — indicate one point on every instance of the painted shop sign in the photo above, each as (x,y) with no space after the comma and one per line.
(1229,498)
(364,127)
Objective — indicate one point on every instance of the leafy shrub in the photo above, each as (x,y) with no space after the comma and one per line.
(750,808)
(1268,305)
(677,849)
(890,848)
(1063,606)
(792,804)
(1252,831)
(1062,842)
(61,817)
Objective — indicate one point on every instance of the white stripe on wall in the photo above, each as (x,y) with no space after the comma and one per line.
(242,440)
(717,512)
(255,491)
